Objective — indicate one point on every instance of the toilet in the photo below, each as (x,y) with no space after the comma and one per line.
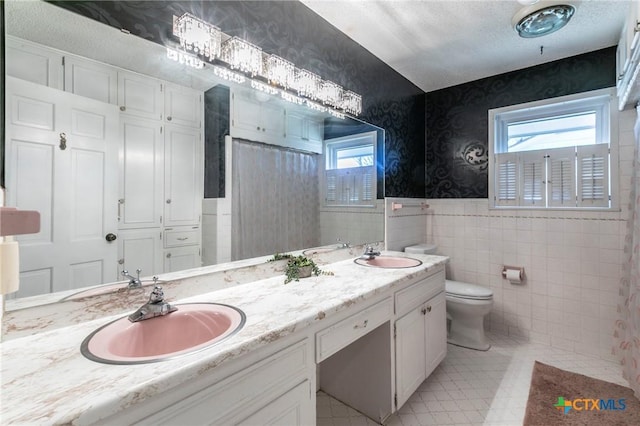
(467,305)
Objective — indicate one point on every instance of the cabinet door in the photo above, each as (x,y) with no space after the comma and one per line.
(34,63)
(90,79)
(140,249)
(410,354)
(245,116)
(180,258)
(140,95)
(141,173)
(272,121)
(436,323)
(182,106)
(183,176)
(294,408)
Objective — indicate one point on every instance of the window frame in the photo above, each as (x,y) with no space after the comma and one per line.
(330,146)
(602,100)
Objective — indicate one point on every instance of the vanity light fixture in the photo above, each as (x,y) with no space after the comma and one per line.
(279,71)
(197,36)
(234,58)
(541,19)
(242,56)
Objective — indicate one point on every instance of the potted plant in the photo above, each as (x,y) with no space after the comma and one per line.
(301,267)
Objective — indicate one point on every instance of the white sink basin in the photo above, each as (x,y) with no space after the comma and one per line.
(193,327)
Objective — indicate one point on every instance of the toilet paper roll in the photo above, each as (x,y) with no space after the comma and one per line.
(9,267)
(514,276)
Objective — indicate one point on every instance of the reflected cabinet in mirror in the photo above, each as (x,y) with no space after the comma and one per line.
(141,164)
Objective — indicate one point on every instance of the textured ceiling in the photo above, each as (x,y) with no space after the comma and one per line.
(437,44)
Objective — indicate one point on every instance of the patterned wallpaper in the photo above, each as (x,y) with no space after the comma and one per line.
(457,117)
(294,32)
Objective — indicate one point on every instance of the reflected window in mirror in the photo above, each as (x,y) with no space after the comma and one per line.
(350,172)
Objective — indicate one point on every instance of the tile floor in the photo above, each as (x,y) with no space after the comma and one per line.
(475,388)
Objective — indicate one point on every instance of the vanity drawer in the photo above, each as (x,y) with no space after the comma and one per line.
(332,339)
(420,292)
(184,236)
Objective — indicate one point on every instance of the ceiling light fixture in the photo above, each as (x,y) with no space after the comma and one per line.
(542,19)
(233,58)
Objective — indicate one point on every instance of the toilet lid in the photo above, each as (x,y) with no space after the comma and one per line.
(467,291)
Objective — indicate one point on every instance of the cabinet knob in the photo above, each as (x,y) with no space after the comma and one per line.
(168,200)
(169,118)
(429,308)
(110,237)
(423,311)
(121,261)
(123,108)
(168,255)
(363,325)
(258,128)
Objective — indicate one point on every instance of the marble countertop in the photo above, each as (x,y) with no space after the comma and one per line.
(45,378)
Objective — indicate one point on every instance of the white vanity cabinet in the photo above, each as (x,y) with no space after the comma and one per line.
(184,180)
(90,79)
(140,195)
(140,95)
(139,249)
(304,131)
(275,389)
(420,334)
(182,106)
(256,121)
(182,248)
(34,63)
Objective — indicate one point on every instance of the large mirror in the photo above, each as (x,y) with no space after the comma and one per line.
(45,24)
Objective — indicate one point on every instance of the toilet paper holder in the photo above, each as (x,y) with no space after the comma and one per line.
(506,268)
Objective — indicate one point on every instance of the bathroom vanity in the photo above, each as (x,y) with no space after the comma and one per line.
(366,335)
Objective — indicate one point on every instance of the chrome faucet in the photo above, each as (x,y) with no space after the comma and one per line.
(155,307)
(369,253)
(134,282)
(343,244)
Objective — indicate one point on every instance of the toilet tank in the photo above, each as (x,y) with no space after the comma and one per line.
(423,248)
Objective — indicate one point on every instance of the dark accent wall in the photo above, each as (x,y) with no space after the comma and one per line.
(458,125)
(216,126)
(294,32)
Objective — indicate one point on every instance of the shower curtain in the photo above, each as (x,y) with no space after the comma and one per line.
(275,200)
(627,328)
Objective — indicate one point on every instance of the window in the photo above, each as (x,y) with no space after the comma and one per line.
(557,153)
(350,170)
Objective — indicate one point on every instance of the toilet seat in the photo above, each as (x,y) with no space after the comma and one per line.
(467,291)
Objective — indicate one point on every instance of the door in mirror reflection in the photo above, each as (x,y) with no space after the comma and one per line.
(61,153)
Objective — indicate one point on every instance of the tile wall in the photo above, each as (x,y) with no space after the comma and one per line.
(572,260)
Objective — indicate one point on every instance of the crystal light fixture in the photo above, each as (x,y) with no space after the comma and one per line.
(307,84)
(331,94)
(235,59)
(352,102)
(242,56)
(198,36)
(279,71)
(184,59)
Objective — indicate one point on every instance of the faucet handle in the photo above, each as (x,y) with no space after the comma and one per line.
(124,273)
(157,295)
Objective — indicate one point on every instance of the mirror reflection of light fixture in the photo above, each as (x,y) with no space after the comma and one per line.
(233,58)
(541,19)
(242,56)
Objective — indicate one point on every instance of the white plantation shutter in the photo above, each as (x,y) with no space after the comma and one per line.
(562,177)
(352,186)
(533,190)
(593,175)
(506,179)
